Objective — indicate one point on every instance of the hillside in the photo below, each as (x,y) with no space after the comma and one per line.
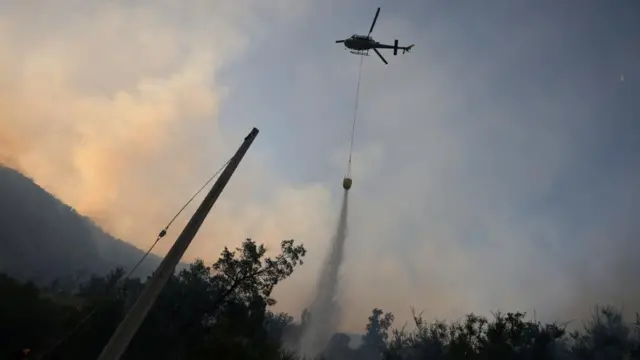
(43,239)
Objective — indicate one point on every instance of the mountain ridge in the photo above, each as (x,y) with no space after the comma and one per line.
(44,239)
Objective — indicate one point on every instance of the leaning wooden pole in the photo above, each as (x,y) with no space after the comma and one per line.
(129,326)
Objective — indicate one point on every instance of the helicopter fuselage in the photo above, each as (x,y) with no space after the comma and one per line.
(360,43)
(363,43)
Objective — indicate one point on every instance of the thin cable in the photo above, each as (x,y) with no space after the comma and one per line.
(162,233)
(166,228)
(355,116)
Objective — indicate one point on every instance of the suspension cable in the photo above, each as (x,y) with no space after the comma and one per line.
(355,116)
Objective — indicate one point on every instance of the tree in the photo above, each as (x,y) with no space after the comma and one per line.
(377,334)
(510,336)
(222,312)
(203,312)
(27,320)
(242,283)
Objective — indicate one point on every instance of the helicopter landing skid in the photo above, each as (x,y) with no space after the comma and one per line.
(360,52)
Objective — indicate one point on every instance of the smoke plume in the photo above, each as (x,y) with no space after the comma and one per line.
(115,112)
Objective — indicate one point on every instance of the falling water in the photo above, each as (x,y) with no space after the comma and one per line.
(325,310)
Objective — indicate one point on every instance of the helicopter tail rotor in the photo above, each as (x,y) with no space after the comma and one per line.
(407,49)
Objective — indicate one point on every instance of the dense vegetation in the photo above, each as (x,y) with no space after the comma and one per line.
(204,311)
(222,312)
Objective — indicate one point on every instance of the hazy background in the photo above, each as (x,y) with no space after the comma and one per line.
(496,165)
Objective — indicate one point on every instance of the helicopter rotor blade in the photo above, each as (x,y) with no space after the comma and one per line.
(381,57)
(375,18)
(339,41)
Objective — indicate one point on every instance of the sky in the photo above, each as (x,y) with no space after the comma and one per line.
(495,166)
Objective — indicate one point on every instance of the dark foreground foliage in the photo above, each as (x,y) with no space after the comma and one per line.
(203,313)
(221,312)
(511,336)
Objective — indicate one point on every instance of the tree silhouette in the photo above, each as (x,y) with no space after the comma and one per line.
(509,336)
(222,311)
(203,311)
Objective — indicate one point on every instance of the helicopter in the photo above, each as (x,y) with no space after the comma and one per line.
(360,44)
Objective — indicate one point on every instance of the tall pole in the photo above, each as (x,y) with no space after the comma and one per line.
(129,326)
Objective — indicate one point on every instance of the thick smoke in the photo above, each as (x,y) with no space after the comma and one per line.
(325,310)
(115,112)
